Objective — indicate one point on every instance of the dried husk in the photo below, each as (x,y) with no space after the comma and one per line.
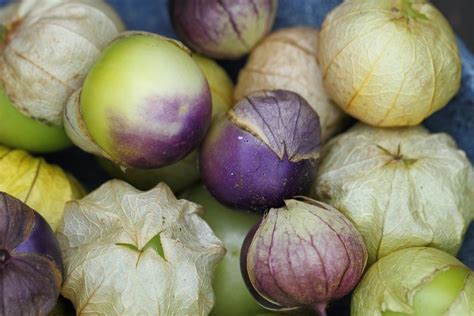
(48,49)
(391,283)
(401,187)
(128,252)
(286,59)
(389,62)
(44,187)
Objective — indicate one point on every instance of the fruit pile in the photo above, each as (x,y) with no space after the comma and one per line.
(231,161)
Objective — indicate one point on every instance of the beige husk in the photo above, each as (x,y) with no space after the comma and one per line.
(389,62)
(48,49)
(401,187)
(111,268)
(76,129)
(287,60)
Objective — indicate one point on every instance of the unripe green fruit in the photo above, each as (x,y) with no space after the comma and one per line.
(177,176)
(232,296)
(417,281)
(144,104)
(436,297)
(19,131)
(185,172)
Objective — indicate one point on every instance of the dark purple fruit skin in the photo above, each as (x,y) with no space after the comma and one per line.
(243,172)
(31,267)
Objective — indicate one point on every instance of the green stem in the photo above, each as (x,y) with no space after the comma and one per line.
(407,8)
(3,33)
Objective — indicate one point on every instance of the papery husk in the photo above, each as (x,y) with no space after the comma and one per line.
(49,47)
(111,267)
(44,187)
(286,59)
(76,129)
(401,187)
(389,62)
(391,283)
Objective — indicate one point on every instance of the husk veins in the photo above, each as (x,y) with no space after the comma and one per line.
(48,49)
(283,121)
(401,187)
(111,244)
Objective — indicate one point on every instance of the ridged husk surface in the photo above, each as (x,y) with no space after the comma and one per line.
(389,62)
(402,187)
(48,48)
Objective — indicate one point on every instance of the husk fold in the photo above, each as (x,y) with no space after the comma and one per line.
(286,59)
(128,252)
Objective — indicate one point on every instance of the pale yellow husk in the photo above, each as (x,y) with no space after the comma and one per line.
(391,283)
(389,62)
(104,277)
(50,47)
(287,60)
(402,187)
(44,187)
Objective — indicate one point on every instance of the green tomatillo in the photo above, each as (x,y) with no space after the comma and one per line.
(232,296)
(185,172)
(46,49)
(144,104)
(22,132)
(416,281)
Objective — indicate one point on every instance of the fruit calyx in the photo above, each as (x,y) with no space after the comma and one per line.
(4,256)
(7,31)
(405,9)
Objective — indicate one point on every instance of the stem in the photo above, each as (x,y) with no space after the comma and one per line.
(3,33)
(4,256)
(7,31)
(410,12)
(320,309)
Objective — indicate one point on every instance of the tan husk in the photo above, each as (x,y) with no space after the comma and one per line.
(48,49)
(389,62)
(287,60)
(401,187)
